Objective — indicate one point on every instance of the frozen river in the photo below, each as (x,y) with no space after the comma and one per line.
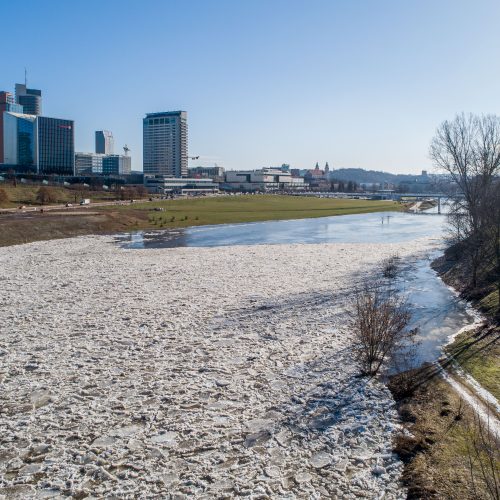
(437,311)
(378,227)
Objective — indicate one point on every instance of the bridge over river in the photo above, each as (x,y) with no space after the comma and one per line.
(383,194)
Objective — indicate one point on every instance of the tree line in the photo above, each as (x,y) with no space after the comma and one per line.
(344,187)
(467,148)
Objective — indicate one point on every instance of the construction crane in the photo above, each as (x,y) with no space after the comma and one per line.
(126,149)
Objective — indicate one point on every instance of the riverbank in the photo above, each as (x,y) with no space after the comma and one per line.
(437,446)
(31,226)
(204,371)
(447,446)
(476,351)
(420,206)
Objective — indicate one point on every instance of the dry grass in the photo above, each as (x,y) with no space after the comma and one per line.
(24,194)
(478,353)
(17,229)
(435,451)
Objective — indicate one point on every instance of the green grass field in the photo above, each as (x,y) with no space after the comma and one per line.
(250,208)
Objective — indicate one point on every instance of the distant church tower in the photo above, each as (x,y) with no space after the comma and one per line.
(327,168)
(317,166)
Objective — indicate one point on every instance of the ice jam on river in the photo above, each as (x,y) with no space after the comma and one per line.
(204,372)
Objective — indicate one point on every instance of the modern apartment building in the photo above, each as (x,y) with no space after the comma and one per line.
(7,103)
(165,144)
(104,142)
(30,99)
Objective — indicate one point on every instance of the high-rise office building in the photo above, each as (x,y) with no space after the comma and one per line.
(7,103)
(19,139)
(165,146)
(30,99)
(104,142)
(55,146)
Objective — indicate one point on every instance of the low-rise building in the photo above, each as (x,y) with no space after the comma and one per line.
(116,165)
(88,163)
(265,179)
(179,185)
(216,173)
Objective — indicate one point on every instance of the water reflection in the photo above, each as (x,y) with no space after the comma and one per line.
(437,312)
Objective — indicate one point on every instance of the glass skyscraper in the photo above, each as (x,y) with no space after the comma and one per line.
(19,134)
(30,99)
(25,142)
(55,146)
(104,142)
(7,103)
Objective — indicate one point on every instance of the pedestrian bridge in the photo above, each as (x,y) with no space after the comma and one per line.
(391,195)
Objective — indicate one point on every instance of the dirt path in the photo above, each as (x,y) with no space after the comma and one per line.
(484,404)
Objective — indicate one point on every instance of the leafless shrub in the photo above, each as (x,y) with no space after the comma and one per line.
(391,267)
(4,196)
(380,322)
(460,411)
(483,455)
(126,192)
(46,195)
(141,192)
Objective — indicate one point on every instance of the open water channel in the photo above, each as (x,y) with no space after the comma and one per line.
(437,311)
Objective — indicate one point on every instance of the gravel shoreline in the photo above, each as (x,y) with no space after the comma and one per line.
(203,372)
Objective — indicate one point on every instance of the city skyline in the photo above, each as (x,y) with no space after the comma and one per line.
(264,83)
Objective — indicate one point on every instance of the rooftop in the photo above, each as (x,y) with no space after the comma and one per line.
(164,113)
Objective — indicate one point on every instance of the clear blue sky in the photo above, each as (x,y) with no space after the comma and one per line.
(354,82)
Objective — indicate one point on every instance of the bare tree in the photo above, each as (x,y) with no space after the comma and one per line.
(141,191)
(391,266)
(483,458)
(80,191)
(468,149)
(4,196)
(46,195)
(380,324)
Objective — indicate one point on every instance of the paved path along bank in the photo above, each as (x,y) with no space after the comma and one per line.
(211,372)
